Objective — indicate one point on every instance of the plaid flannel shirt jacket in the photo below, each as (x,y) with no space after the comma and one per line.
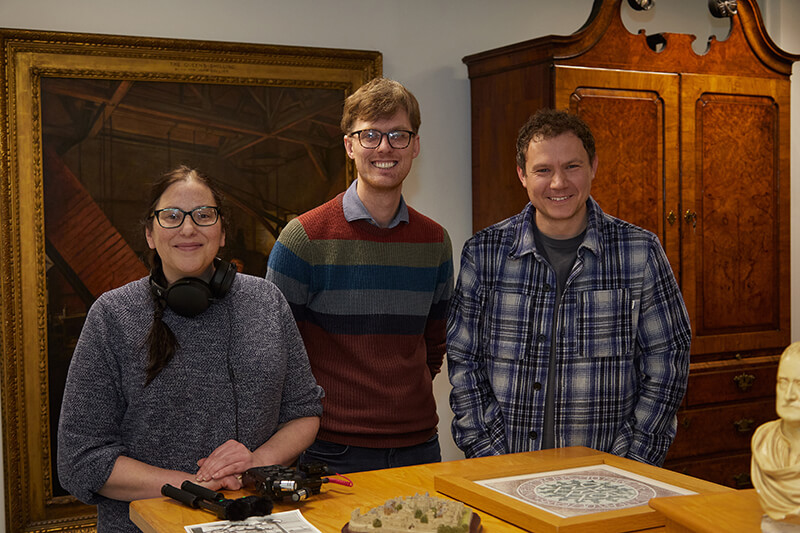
(622,342)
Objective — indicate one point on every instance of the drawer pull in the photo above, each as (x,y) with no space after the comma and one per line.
(690,217)
(744,425)
(742,481)
(744,381)
(686,422)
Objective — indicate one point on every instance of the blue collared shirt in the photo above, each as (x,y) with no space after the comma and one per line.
(622,342)
(354,208)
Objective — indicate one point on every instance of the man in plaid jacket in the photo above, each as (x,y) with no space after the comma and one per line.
(567,326)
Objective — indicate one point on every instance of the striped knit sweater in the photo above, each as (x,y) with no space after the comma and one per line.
(371,305)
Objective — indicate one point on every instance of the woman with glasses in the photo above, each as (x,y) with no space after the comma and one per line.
(195,373)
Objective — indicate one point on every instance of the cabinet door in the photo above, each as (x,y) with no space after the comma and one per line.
(735,170)
(634,119)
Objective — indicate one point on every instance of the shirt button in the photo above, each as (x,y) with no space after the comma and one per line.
(541,337)
(537,386)
(547,287)
(533,435)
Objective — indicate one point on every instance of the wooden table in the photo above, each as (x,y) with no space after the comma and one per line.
(711,513)
(330,510)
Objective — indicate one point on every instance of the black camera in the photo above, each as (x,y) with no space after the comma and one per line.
(277,482)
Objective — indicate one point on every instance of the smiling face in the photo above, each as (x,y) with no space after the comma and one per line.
(188,250)
(558,177)
(384,168)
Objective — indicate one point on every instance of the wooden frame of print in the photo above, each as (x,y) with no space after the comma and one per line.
(526,516)
(206,71)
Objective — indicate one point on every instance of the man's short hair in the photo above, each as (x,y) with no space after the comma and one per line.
(378,99)
(549,123)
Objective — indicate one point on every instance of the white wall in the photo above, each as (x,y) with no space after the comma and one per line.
(782,18)
(422,42)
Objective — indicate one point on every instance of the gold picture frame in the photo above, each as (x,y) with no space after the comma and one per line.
(87,79)
(471,490)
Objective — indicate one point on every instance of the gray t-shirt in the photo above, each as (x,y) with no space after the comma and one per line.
(561,254)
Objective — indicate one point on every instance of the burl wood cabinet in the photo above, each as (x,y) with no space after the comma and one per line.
(694,148)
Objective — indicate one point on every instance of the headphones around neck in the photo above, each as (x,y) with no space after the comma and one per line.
(191,296)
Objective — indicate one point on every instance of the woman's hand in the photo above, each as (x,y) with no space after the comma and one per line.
(227,461)
(233,458)
(233,482)
(134,480)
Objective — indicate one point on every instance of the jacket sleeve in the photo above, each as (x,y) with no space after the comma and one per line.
(478,424)
(301,395)
(663,342)
(89,438)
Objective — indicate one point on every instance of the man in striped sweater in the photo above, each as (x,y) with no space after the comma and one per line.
(369,280)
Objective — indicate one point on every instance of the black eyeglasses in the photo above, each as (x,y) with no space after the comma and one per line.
(371,139)
(172,217)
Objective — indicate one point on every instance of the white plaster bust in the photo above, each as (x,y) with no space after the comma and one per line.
(775,467)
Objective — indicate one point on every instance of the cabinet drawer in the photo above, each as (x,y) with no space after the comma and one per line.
(730,470)
(719,429)
(721,382)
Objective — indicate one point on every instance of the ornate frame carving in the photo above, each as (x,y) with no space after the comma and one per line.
(27,58)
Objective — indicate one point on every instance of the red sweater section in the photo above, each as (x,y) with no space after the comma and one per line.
(378,389)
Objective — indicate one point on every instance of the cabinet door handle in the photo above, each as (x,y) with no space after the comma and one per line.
(691,218)
(744,425)
(671,218)
(744,381)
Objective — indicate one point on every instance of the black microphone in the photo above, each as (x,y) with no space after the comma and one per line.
(199,490)
(256,505)
(199,497)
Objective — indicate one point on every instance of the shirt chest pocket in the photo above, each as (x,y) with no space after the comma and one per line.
(607,323)
(508,325)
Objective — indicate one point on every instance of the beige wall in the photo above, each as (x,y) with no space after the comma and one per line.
(422,42)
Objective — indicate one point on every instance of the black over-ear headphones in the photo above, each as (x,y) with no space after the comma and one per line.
(191,296)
